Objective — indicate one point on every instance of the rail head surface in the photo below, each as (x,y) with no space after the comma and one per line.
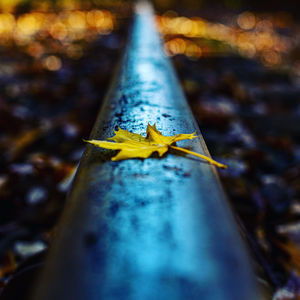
(158,228)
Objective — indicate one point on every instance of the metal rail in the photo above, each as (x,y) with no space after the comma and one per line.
(146,229)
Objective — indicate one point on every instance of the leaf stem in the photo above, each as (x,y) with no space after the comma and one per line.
(210,160)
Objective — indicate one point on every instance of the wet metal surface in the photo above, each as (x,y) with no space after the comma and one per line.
(153,228)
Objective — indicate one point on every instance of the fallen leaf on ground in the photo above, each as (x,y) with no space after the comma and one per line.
(133,145)
(8,264)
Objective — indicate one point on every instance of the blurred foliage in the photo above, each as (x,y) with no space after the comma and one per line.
(22,6)
(161,5)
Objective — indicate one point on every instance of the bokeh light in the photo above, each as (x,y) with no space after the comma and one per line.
(65,26)
(252,36)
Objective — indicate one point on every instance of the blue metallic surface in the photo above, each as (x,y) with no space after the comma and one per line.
(146,229)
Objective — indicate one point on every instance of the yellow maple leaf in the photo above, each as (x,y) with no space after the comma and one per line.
(133,145)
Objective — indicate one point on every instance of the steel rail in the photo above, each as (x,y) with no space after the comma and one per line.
(159,228)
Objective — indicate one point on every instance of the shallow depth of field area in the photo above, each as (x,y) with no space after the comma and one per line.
(239,65)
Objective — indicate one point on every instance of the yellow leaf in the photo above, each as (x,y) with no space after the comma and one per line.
(132,145)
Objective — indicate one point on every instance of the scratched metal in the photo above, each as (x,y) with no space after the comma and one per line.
(146,229)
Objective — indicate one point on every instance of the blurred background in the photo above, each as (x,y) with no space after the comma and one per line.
(239,65)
